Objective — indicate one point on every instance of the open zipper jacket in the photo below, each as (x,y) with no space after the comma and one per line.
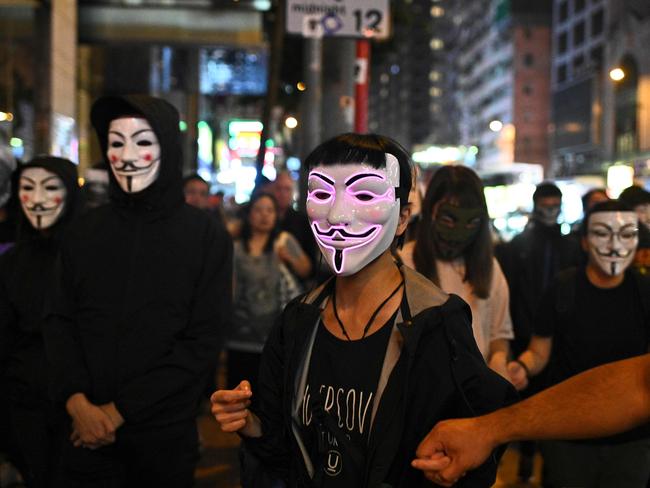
(432,370)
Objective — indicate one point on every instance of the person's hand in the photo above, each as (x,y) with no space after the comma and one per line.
(116,417)
(517,375)
(91,426)
(499,365)
(452,448)
(230,409)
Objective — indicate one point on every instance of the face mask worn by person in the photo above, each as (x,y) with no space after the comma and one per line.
(455,229)
(133,152)
(546,215)
(42,197)
(612,238)
(353,212)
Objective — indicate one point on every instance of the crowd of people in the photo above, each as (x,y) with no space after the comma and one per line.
(350,330)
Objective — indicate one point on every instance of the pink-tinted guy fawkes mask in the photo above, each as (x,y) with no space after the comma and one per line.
(353,212)
(42,197)
(612,238)
(134,153)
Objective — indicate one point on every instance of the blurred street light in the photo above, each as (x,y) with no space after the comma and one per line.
(496,125)
(291,122)
(617,74)
(6,116)
(301,86)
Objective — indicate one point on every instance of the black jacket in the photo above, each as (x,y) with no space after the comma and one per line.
(143,291)
(432,371)
(25,277)
(530,263)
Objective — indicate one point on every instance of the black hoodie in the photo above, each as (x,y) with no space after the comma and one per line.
(144,289)
(25,276)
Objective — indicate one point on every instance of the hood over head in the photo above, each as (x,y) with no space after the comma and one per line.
(67,171)
(167,190)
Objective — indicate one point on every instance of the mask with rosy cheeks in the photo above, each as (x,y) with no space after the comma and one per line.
(42,197)
(353,212)
(134,153)
(612,238)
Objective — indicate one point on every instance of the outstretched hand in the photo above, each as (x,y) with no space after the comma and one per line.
(452,448)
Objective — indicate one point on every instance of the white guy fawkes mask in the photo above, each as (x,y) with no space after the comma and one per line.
(42,196)
(353,212)
(134,153)
(612,238)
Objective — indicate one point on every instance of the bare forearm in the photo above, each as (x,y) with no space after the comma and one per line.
(599,402)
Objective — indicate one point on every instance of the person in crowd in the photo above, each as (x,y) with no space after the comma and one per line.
(48,196)
(7,224)
(138,311)
(530,262)
(95,186)
(263,285)
(196,191)
(592,197)
(341,401)
(290,220)
(590,316)
(639,199)
(453,248)
(602,401)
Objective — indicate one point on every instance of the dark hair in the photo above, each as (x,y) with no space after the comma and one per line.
(608,206)
(195,177)
(365,148)
(546,189)
(465,187)
(246,230)
(634,195)
(587,196)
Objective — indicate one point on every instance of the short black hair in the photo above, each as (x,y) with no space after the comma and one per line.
(546,189)
(195,177)
(608,206)
(634,195)
(365,148)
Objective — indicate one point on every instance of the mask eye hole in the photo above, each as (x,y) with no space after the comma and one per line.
(145,143)
(52,188)
(364,197)
(116,144)
(628,235)
(474,223)
(321,195)
(26,187)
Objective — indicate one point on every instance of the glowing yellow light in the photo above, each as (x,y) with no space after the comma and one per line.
(81,181)
(291,122)
(617,74)
(6,116)
(301,86)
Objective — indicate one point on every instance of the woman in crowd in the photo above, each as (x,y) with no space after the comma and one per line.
(48,197)
(341,396)
(453,249)
(263,284)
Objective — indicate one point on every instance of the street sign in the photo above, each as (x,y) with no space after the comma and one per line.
(341,18)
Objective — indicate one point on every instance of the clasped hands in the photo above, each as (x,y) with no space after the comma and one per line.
(93,426)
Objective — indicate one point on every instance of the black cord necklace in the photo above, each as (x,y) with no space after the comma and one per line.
(372,317)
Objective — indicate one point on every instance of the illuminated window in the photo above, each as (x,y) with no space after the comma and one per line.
(436,44)
(434,75)
(437,11)
(434,91)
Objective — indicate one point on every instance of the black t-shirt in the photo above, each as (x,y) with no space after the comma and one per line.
(603,325)
(343,377)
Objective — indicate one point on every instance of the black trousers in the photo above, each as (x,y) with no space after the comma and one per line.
(36,439)
(161,457)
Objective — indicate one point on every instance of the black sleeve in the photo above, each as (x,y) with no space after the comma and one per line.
(546,315)
(481,390)
(197,346)
(7,314)
(273,447)
(68,372)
